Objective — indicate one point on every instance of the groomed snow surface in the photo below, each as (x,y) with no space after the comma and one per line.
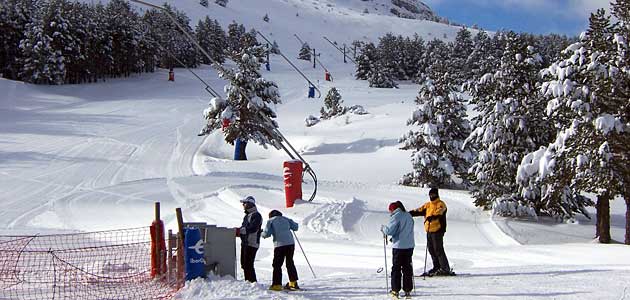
(96,157)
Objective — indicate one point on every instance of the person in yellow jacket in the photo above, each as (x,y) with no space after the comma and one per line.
(434,213)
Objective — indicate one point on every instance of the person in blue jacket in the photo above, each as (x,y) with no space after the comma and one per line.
(400,228)
(250,237)
(280,228)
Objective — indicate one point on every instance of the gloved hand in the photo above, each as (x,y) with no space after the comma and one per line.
(383,229)
(431,218)
(238,231)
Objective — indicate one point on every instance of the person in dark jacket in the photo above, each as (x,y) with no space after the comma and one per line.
(400,228)
(280,228)
(250,237)
(434,213)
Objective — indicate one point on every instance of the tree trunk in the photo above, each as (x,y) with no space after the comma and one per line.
(598,218)
(627,242)
(603,220)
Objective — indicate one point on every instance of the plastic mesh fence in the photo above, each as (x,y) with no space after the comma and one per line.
(112,265)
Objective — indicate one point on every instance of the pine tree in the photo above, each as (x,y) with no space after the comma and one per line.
(442,128)
(266,18)
(275,49)
(365,61)
(44,44)
(590,111)
(437,50)
(247,94)
(381,77)
(175,45)
(621,59)
(221,2)
(461,50)
(235,35)
(478,60)
(203,3)
(211,37)
(509,125)
(15,15)
(332,105)
(305,52)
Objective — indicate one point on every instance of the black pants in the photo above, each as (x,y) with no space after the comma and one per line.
(401,261)
(435,242)
(280,254)
(248,255)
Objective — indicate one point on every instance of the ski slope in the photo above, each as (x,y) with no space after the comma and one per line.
(96,157)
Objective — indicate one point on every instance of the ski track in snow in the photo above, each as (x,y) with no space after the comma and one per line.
(96,157)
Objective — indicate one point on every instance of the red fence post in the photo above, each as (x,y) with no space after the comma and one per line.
(158,245)
(292,181)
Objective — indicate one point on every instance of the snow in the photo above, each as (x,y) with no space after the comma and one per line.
(606,123)
(96,156)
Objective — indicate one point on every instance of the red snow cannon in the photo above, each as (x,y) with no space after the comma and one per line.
(292,181)
(327,76)
(171,75)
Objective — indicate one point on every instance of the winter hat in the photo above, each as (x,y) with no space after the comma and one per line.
(248,199)
(392,207)
(433,191)
(274,213)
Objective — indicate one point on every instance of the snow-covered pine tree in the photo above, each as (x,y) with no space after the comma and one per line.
(249,39)
(436,50)
(584,101)
(275,49)
(45,39)
(480,60)
(169,37)
(305,52)
(235,35)
(508,126)
(412,55)
(247,94)
(442,127)
(99,44)
(621,59)
(266,18)
(203,3)
(212,38)
(15,15)
(332,105)
(390,55)
(381,77)
(221,2)
(460,52)
(365,61)
(219,42)
(124,34)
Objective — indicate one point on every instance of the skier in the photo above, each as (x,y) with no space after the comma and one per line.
(280,228)
(400,228)
(434,213)
(250,237)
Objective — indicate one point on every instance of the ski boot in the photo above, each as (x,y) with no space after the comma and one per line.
(275,287)
(429,273)
(442,272)
(394,294)
(407,295)
(292,285)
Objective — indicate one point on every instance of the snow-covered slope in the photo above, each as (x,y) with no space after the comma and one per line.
(96,157)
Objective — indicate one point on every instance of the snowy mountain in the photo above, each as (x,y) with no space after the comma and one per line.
(409,9)
(96,156)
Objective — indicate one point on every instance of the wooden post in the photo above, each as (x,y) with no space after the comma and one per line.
(344,54)
(314,58)
(180,248)
(157,211)
(169,260)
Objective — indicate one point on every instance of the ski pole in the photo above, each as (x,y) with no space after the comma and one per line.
(385,252)
(426,250)
(304,253)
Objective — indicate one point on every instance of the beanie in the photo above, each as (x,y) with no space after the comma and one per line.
(392,207)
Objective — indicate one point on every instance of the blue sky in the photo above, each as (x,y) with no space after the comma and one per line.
(535,16)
